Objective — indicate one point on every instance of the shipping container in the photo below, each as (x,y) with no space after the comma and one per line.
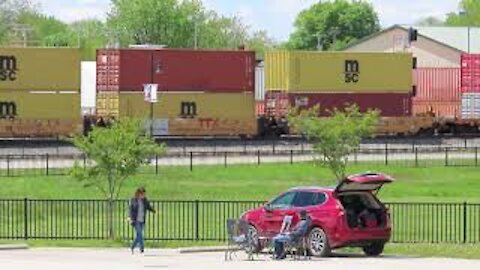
(187,114)
(437,84)
(338,72)
(471,106)
(470,73)
(88,85)
(443,109)
(39,113)
(260,108)
(276,104)
(260,82)
(176,70)
(389,104)
(39,69)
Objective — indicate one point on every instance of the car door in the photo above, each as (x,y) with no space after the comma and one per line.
(276,210)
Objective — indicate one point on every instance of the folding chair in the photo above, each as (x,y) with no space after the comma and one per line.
(285,228)
(238,239)
(299,245)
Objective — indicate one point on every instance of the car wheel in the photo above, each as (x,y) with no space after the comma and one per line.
(318,243)
(374,249)
(253,234)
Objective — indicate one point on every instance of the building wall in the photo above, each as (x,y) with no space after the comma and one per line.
(428,52)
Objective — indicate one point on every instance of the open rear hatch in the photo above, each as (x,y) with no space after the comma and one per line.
(364,182)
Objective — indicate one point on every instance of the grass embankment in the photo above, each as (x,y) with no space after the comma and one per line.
(247,182)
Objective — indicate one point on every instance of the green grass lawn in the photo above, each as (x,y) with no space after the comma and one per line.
(250,182)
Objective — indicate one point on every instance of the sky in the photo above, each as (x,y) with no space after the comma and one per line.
(274,16)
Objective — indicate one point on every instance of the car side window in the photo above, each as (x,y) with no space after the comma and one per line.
(320,198)
(303,199)
(283,201)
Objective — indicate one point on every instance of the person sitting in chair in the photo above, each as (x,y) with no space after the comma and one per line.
(300,230)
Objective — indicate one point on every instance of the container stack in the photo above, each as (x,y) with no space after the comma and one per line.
(437,92)
(470,84)
(381,81)
(199,92)
(39,92)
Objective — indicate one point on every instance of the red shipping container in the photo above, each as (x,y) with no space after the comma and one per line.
(389,104)
(470,81)
(276,104)
(438,108)
(176,70)
(437,84)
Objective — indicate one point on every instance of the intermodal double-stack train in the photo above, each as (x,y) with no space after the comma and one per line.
(209,92)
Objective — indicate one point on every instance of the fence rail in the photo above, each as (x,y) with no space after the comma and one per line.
(16,165)
(205,220)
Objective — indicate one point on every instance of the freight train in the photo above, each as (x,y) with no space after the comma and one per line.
(209,93)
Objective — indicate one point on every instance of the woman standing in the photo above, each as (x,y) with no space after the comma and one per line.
(139,205)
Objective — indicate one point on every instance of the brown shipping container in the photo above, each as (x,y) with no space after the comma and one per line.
(39,69)
(437,84)
(176,70)
(390,104)
(445,109)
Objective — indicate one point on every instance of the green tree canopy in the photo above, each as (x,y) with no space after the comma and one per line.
(334,138)
(430,21)
(9,13)
(333,25)
(468,16)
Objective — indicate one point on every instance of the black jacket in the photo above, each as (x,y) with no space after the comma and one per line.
(133,209)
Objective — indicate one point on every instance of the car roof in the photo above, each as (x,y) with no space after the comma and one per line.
(312,188)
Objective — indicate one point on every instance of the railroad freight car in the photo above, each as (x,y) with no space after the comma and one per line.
(175,70)
(39,92)
(186,114)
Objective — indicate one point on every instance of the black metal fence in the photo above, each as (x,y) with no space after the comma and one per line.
(16,165)
(205,220)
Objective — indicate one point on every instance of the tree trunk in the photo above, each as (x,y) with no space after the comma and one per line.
(110,223)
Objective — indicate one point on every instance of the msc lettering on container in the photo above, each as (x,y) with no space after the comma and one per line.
(8,68)
(8,110)
(188,110)
(352,71)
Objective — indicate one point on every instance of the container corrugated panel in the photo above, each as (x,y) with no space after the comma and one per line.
(437,84)
(338,72)
(260,82)
(260,108)
(471,106)
(470,73)
(446,109)
(39,113)
(108,103)
(42,69)
(176,70)
(195,114)
(389,104)
(276,104)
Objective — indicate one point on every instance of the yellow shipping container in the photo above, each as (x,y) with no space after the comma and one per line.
(187,114)
(338,72)
(40,69)
(39,113)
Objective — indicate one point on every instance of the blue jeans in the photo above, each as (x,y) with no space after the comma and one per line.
(139,240)
(279,243)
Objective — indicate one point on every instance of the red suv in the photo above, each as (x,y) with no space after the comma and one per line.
(348,215)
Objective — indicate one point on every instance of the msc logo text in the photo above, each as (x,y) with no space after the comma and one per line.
(8,68)
(8,110)
(352,71)
(188,110)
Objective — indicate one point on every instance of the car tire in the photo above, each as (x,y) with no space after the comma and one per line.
(374,249)
(252,231)
(318,245)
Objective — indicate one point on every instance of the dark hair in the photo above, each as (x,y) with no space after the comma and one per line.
(139,191)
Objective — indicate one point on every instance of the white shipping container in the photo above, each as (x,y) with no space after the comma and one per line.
(260,82)
(471,106)
(88,85)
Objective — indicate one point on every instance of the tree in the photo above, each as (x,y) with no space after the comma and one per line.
(430,21)
(469,15)
(336,137)
(9,12)
(333,25)
(89,35)
(114,154)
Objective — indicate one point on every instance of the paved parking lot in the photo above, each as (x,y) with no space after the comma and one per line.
(118,259)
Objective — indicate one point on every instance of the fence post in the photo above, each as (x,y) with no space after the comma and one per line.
(225,160)
(25,218)
(476,156)
(273,146)
(446,157)
(386,153)
(416,157)
(8,165)
(197,222)
(191,161)
(291,157)
(466,143)
(46,161)
(156,164)
(465,222)
(258,157)
(413,146)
